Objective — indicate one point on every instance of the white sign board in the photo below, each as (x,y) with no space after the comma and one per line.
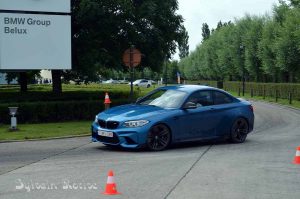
(35,41)
(36,5)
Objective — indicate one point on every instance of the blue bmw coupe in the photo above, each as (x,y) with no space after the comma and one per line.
(173,114)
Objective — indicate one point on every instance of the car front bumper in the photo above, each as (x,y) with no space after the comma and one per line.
(125,137)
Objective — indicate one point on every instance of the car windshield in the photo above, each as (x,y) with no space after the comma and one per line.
(164,98)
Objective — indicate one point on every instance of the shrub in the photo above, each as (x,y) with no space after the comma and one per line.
(55,111)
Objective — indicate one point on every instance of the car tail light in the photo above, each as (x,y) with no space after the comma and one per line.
(251,108)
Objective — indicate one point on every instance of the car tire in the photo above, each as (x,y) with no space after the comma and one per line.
(239,131)
(148,85)
(159,137)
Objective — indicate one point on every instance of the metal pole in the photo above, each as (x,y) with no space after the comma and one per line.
(131,72)
(243,70)
(166,74)
(243,81)
(290,98)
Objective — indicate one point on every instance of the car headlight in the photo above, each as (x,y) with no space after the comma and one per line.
(136,123)
(96,119)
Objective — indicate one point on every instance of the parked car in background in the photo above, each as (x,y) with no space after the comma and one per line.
(142,83)
(173,114)
(124,81)
(153,82)
(110,81)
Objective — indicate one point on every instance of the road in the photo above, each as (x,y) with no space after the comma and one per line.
(76,168)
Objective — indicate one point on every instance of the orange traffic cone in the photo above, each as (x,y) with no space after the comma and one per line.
(107,101)
(297,156)
(111,187)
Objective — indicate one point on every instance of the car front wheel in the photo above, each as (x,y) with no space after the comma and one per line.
(239,131)
(159,137)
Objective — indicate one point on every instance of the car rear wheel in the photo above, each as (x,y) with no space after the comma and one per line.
(159,137)
(239,131)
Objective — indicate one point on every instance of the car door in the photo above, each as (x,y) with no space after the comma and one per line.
(225,108)
(199,122)
(143,83)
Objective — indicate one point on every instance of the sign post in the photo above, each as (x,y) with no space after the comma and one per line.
(132,58)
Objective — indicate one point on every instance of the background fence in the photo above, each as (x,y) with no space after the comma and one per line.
(274,90)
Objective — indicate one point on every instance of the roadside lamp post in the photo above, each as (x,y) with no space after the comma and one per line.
(13,119)
(166,72)
(243,70)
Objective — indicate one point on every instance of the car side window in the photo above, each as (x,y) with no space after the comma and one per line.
(201,98)
(221,98)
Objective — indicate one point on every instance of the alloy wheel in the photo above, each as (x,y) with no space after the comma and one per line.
(159,137)
(239,131)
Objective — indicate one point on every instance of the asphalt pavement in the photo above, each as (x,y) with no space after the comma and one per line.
(76,168)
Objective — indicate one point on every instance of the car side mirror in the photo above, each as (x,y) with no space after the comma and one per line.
(190,105)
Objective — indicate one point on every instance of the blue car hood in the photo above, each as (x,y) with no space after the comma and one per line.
(131,112)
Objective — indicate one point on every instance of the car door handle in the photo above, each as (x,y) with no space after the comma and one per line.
(175,117)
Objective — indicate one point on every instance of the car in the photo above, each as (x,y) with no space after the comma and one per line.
(110,81)
(124,81)
(142,83)
(173,114)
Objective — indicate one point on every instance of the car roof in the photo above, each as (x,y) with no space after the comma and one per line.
(189,88)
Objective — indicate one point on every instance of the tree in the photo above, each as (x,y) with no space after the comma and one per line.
(219,25)
(255,48)
(23,78)
(251,39)
(266,50)
(287,45)
(205,32)
(102,30)
(295,3)
(184,45)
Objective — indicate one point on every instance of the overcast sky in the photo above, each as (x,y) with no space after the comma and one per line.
(197,12)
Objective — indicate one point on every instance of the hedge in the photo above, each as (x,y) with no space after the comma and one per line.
(259,89)
(32,96)
(55,111)
(40,105)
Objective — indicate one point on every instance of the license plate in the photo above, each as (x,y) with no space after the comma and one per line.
(106,134)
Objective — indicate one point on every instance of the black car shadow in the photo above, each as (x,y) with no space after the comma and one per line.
(172,147)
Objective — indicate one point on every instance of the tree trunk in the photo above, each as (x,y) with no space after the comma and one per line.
(56,81)
(23,81)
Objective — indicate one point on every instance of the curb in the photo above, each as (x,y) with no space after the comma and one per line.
(45,139)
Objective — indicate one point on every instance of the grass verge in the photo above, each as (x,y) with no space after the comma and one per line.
(44,131)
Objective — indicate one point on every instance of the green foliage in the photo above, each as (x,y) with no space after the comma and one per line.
(104,29)
(31,76)
(257,48)
(184,45)
(270,89)
(288,44)
(205,31)
(77,102)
